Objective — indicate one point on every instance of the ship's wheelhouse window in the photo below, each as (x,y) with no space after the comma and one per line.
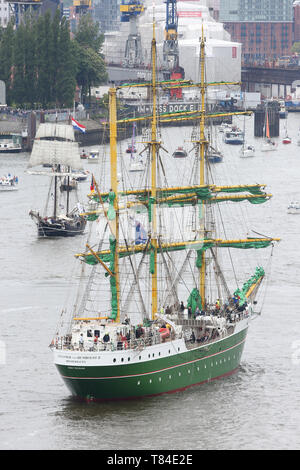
(89,333)
(97,333)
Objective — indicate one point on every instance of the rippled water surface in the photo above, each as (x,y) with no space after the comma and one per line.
(257,408)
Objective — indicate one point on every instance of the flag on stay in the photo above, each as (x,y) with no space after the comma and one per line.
(92,184)
(77,126)
(140,234)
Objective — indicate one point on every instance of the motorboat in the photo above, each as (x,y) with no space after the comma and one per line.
(8,183)
(247,151)
(93,156)
(180,153)
(10,146)
(234,136)
(286,140)
(131,149)
(137,166)
(83,154)
(293,208)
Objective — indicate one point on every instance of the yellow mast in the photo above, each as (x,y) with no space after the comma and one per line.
(153,147)
(114,187)
(202,143)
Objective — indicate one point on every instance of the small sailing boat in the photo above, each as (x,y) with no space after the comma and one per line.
(136,161)
(246,150)
(179,153)
(213,154)
(55,145)
(128,336)
(286,139)
(269,144)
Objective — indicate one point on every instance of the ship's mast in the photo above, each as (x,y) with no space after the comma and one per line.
(114,189)
(153,150)
(202,144)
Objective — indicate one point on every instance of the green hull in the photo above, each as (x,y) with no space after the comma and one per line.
(176,372)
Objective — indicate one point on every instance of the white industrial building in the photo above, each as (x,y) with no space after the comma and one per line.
(223,57)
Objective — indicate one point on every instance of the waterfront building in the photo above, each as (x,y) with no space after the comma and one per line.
(265,28)
(4,13)
(296,7)
(107,13)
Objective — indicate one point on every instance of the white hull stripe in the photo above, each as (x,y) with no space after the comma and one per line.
(155,371)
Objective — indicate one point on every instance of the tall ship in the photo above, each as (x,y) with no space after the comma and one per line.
(56,155)
(156,312)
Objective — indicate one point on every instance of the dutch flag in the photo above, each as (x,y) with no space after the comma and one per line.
(77,126)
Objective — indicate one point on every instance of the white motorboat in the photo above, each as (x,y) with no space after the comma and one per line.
(8,183)
(293,208)
(93,156)
(247,151)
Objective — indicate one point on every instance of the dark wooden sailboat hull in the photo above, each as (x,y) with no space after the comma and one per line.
(58,229)
(50,227)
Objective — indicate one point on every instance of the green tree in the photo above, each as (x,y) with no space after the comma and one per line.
(66,67)
(91,67)
(88,33)
(43,41)
(6,58)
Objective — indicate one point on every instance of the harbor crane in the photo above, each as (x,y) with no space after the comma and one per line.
(170,47)
(130,11)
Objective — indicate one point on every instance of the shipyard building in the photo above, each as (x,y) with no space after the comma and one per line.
(223,61)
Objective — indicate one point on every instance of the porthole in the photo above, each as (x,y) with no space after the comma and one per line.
(153,355)
(179,373)
(150,381)
(159,353)
(139,382)
(128,359)
(189,371)
(140,357)
(114,360)
(148,355)
(178,349)
(211,364)
(122,359)
(170,376)
(204,366)
(169,351)
(159,379)
(198,368)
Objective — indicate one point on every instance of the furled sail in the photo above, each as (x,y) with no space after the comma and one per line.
(55,131)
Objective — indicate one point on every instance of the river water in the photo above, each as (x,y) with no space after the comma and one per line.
(257,408)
